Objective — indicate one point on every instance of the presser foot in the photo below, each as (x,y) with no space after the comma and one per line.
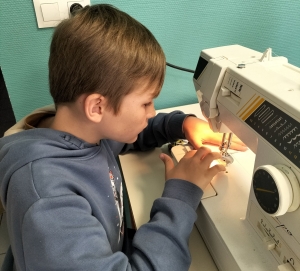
(226,159)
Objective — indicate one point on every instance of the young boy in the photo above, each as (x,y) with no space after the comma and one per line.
(61,185)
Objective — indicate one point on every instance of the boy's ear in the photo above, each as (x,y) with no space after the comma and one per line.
(94,106)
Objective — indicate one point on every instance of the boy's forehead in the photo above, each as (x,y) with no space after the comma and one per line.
(148,88)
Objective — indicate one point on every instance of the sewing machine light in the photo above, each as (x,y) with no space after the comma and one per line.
(276,189)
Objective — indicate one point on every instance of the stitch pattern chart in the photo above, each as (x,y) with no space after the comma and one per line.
(279,129)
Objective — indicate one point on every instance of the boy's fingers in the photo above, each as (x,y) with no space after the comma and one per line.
(238,146)
(207,160)
(215,170)
(169,164)
(202,152)
(196,144)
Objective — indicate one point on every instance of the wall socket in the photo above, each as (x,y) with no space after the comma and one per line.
(49,13)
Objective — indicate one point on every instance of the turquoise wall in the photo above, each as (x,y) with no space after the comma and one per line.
(183,29)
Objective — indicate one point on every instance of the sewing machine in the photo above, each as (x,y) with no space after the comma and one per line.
(252,223)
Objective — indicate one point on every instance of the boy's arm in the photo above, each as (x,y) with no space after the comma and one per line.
(69,237)
(163,128)
(165,237)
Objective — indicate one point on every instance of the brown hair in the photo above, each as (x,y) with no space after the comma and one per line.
(103,50)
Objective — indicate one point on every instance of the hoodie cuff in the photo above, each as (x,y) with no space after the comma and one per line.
(184,191)
(176,124)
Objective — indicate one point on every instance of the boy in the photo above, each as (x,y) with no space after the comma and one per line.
(61,186)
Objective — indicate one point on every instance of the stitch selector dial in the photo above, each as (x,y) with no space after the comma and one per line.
(276,189)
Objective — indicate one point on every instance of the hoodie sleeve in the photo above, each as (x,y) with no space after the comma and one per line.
(163,128)
(60,233)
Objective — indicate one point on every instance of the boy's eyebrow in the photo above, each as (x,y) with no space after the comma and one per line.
(154,93)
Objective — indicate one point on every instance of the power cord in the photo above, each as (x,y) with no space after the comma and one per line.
(180,68)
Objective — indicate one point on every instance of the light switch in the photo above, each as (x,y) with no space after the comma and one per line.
(50,12)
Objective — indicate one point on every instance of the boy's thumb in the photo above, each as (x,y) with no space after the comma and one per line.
(168,161)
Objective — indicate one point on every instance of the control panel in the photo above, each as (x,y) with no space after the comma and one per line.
(271,240)
(279,129)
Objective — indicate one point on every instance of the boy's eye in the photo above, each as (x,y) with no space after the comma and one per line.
(147,104)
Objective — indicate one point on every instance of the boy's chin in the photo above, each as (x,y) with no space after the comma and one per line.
(130,141)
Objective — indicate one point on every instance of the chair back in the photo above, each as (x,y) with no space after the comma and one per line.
(7,116)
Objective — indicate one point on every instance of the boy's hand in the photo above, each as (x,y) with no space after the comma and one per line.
(198,132)
(194,167)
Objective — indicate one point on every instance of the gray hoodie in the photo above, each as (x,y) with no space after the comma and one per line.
(63,199)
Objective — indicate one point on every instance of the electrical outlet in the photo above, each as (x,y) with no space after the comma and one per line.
(49,13)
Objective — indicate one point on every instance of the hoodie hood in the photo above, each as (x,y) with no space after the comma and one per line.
(22,148)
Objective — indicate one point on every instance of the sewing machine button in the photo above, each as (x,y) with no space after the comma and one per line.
(225,92)
(269,243)
(285,267)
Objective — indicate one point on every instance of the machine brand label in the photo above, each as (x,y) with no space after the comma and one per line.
(278,128)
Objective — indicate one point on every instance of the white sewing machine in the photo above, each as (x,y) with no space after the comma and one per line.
(253,222)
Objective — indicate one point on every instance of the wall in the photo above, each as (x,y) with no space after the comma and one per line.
(183,29)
